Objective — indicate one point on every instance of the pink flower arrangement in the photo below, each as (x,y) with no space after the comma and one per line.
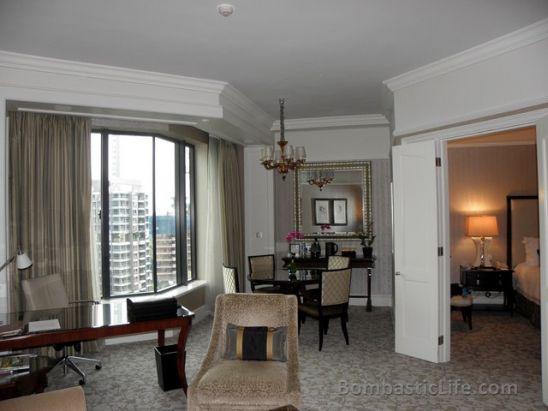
(294,235)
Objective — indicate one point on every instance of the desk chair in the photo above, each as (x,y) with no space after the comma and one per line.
(262,267)
(48,293)
(230,279)
(333,302)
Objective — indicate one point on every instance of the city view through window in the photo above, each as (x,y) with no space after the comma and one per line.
(142,178)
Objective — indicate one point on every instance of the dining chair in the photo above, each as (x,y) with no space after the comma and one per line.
(262,267)
(334,262)
(333,302)
(230,278)
(48,293)
(338,262)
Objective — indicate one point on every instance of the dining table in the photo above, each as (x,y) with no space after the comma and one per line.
(319,264)
(289,284)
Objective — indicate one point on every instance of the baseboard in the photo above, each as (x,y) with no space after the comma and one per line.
(199,314)
(378,300)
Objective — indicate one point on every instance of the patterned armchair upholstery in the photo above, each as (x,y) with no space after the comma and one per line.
(230,279)
(222,384)
(334,294)
(262,267)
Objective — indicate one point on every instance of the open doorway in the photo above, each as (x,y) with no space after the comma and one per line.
(488,174)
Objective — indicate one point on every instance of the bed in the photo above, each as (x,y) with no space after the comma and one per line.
(522,254)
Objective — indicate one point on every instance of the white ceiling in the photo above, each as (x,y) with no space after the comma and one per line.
(326,57)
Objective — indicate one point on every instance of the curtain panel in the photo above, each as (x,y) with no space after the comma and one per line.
(50,200)
(225,240)
(231,207)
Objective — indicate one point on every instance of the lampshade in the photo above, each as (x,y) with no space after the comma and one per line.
(481,226)
(22,261)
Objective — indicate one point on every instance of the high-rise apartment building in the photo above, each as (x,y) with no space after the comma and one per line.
(130,238)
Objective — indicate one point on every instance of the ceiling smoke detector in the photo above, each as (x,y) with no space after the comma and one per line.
(225,9)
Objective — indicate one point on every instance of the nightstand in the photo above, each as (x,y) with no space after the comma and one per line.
(490,279)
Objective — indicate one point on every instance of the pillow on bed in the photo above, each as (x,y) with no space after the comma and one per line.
(531,250)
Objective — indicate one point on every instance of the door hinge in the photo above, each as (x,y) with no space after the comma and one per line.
(438,161)
(440,340)
(440,251)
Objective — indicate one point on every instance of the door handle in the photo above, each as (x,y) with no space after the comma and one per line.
(398,273)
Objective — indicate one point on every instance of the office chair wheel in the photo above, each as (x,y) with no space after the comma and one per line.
(98,366)
(82,382)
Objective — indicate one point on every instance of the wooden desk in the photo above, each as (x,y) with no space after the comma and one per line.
(93,321)
(321,264)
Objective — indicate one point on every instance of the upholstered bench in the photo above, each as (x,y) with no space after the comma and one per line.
(464,304)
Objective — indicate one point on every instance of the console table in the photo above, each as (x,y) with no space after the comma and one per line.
(321,264)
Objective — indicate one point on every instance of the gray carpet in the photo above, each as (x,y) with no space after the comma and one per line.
(499,350)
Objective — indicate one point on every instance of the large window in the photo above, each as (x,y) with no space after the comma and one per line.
(142,212)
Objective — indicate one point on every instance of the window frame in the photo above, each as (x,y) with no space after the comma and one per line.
(180,212)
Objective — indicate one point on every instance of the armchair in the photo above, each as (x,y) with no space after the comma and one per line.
(222,384)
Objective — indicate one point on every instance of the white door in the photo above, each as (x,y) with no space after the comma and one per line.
(416,250)
(542,160)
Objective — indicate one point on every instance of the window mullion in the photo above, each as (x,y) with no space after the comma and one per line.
(105,218)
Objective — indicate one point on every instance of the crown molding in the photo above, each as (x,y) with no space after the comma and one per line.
(233,115)
(239,110)
(89,70)
(361,120)
(515,40)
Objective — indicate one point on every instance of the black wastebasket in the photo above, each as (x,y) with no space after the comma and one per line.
(166,366)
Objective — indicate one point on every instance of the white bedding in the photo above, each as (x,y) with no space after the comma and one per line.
(527,281)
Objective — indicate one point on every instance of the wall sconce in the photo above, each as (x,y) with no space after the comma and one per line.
(481,228)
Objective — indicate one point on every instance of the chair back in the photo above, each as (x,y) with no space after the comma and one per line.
(230,278)
(44,293)
(335,287)
(261,267)
(338,262)
(253,310)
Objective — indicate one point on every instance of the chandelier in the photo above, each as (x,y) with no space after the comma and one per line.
(321,178)
(285,158)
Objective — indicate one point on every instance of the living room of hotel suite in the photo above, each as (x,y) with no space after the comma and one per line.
(273,205)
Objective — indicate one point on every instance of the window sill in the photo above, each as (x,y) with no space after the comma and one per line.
(172,293)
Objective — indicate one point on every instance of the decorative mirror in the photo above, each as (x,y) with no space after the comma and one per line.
(333,199)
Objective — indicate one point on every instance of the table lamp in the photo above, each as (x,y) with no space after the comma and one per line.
(481,228)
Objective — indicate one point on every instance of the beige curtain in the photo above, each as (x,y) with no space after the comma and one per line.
(50,192)
(214,239)
(50,200)
(230,182)
(225,241)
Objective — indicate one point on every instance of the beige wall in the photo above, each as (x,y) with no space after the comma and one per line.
(480,178)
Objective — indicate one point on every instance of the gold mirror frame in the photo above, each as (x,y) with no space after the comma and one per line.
(364,167)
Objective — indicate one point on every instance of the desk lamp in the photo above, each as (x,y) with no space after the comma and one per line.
(21,260)
(481,228)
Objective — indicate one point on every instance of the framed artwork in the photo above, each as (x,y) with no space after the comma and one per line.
(322,211)
(339,211)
